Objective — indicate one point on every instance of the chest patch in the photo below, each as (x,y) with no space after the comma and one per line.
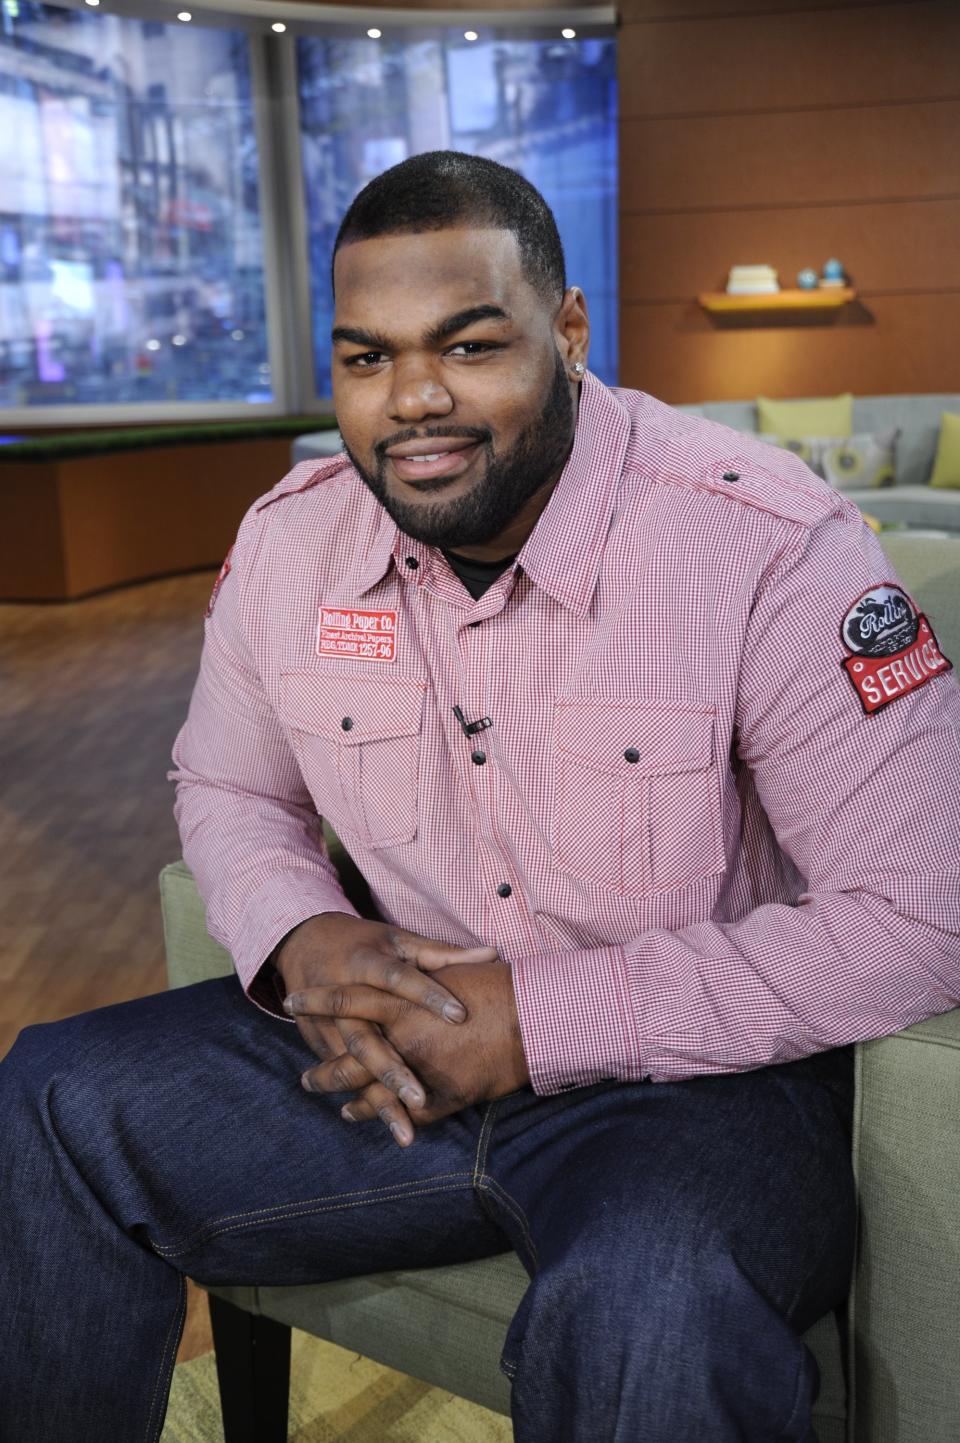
(893,648)
(356,635)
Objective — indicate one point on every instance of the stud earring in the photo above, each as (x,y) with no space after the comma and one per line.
(578,369)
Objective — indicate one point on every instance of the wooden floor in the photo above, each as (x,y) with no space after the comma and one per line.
(92,694)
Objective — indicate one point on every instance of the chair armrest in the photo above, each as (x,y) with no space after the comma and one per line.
(906,1298)
(192,954)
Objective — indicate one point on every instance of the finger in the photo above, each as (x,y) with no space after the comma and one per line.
(368,1054)
(321,1036)
(370,1003)
(429,955)
(393,974)
(378,1102)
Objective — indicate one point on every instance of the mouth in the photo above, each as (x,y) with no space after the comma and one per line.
(424,463)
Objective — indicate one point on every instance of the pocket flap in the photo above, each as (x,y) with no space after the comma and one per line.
(351,709)
(662,737)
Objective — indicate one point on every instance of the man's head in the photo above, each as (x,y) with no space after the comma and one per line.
(454,338)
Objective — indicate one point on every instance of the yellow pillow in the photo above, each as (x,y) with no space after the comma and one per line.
(827,416)
(946,468)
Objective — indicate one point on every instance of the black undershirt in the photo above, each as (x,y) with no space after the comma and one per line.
(477,576)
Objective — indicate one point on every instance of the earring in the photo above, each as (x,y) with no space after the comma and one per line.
(578,369)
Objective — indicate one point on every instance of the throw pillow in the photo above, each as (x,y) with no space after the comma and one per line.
(946,467)
(848,463)
(828,416)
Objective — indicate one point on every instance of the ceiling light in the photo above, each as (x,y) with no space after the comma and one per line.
(93,3)
(374,34)
(470,35)
(184,15)
(152,345)
(178,340)
(237,335)
(568,34)
(278,27)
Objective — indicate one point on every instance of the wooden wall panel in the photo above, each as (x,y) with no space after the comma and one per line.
(785,159)
(676,10)
(887,245)
(887,345)
(773,62)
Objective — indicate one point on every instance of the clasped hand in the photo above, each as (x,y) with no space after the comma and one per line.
(373,1002)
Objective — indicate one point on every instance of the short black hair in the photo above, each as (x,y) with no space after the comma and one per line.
(442,188)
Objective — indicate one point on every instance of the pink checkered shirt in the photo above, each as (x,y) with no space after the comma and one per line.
(693,845)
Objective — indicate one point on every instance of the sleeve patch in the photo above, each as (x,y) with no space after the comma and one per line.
(225,570)
(891,648)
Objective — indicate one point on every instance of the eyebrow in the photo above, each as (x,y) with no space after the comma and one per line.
(440,332)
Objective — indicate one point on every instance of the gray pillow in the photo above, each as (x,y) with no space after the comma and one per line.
(848,462)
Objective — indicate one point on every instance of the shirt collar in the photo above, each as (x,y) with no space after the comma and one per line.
(563,551)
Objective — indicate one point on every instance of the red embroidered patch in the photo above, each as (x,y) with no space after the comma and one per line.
(224,573)
(356,635)
(893,645)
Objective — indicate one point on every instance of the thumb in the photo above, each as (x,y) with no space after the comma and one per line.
(430,956)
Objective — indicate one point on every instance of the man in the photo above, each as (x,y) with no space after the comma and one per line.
(589,689)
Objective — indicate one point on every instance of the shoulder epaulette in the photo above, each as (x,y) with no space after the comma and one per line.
(304,476)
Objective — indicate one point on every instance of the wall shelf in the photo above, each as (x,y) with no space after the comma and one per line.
(827,299)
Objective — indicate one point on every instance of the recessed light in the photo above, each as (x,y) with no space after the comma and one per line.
(152,345)
(568,34)
(278,27)
(178,340)
(237,335)
(374,34)
(184,15)
(470,35)
(93,3)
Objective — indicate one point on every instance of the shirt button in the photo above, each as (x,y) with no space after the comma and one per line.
(631,754)
(412,562)
(731,475)
(504,889)
(478,758)
(347,723)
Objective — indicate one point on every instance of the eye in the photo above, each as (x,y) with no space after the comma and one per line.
(364,359)
(474,348)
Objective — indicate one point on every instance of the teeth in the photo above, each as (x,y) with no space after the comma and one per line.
(435,457)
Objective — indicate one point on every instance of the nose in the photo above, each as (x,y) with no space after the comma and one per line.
(417,394)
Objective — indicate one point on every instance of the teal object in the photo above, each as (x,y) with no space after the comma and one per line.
(833,270)
(808,280)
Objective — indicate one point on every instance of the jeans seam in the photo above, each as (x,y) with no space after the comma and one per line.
(483,1143)
(515,1210)
(280,1210)
(294,1210)
(154,1429)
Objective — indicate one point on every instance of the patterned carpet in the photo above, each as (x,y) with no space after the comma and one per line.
(337,1397)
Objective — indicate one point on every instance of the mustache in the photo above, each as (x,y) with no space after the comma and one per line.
(431,433)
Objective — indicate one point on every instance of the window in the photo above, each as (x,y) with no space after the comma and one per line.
(131,262)
(547,108)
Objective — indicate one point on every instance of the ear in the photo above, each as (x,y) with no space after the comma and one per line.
(571,329)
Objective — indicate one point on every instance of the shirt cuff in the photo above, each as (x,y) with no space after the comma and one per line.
(575,1019)
(274,910)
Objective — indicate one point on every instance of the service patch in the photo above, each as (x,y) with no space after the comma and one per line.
(356,635)
(893,647)
(224,573)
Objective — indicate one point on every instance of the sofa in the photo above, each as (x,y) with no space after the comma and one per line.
(909,502)
(888,1363)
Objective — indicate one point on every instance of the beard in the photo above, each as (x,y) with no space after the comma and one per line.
(511,478)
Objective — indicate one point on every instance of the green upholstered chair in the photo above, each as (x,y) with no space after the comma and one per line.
(889,1366)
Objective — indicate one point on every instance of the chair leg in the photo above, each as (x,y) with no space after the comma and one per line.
(253,1371)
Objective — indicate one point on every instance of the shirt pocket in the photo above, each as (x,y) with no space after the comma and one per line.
(357,742)
(637,801)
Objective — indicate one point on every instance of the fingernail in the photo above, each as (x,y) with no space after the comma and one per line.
(288,1003)
(453,1012)
(346,1114)
(401,1135)
(305,1082)
(411,1096)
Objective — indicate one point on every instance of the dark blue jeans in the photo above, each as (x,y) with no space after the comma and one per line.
(679,1237)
